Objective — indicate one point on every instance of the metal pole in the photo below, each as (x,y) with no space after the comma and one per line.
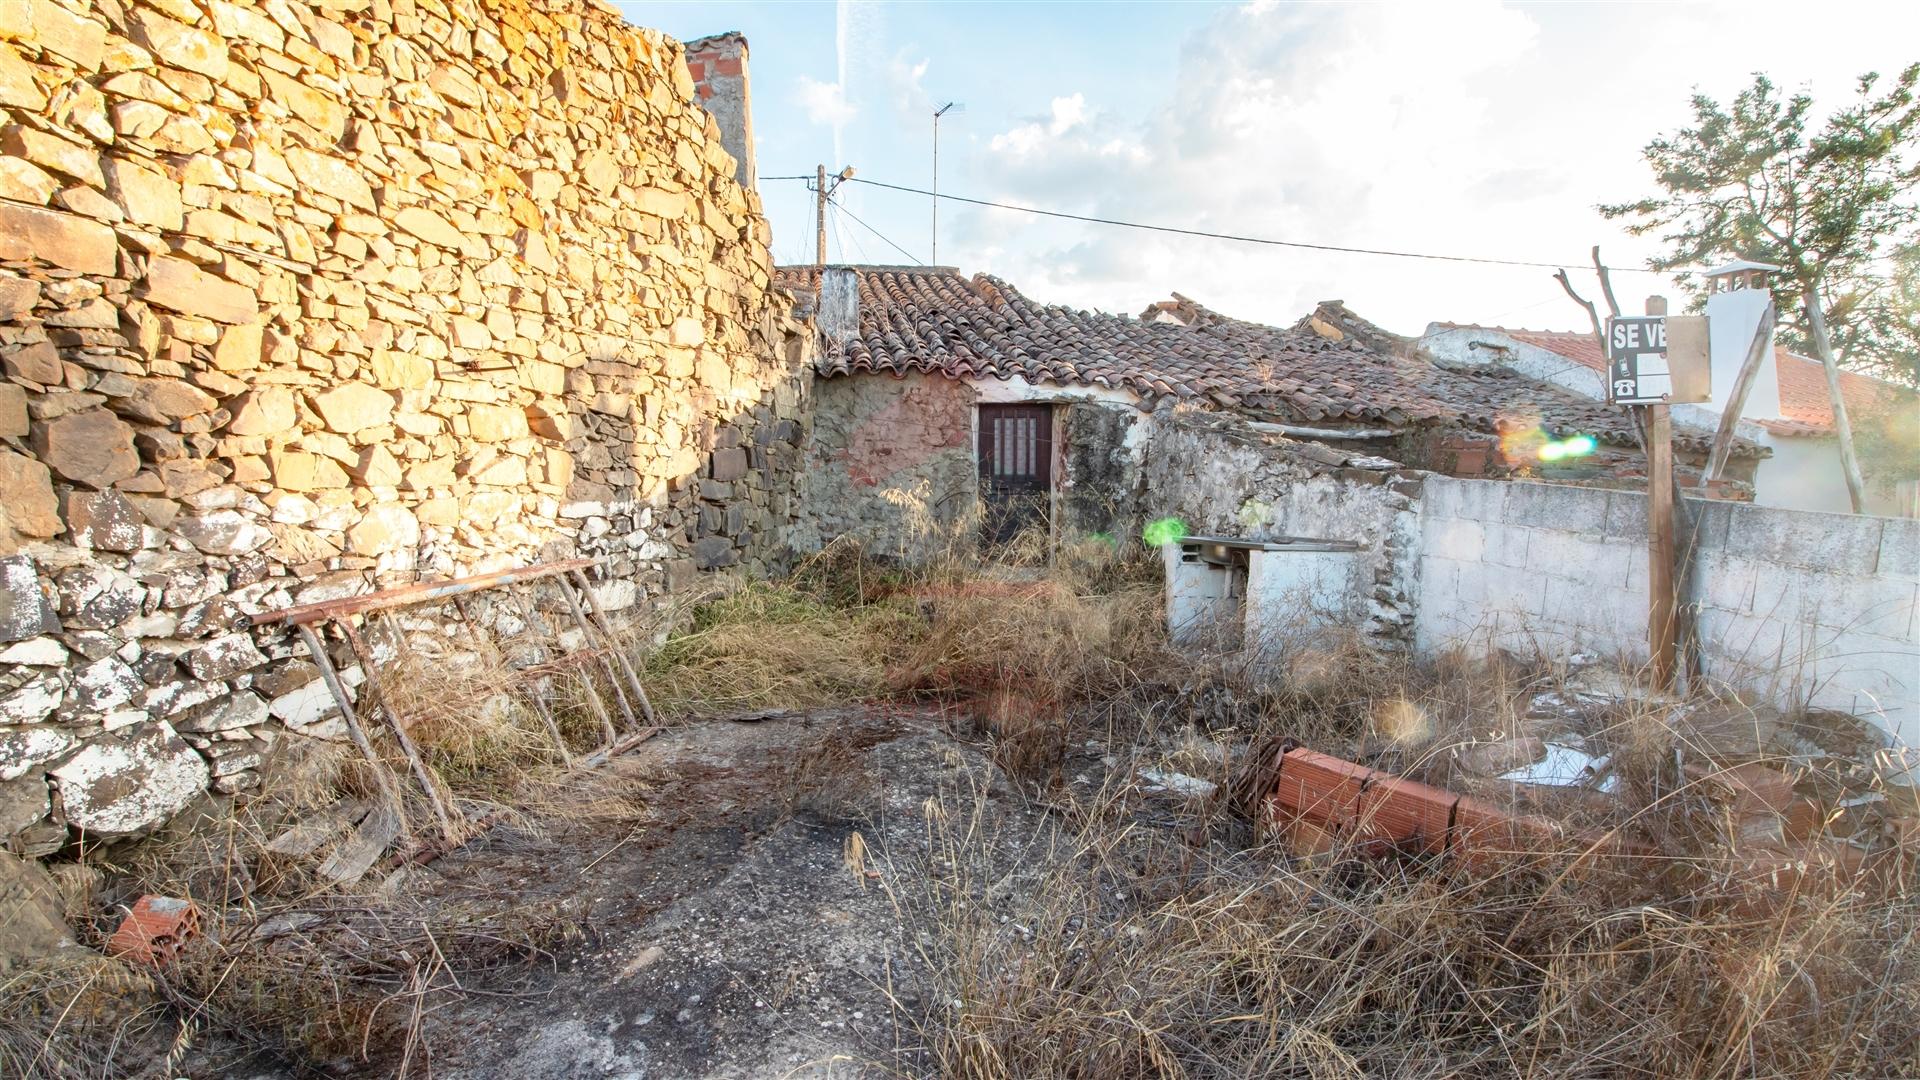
(820,216)
(532,693)
(419,764)
(354,731)
(934,255)
(528,612)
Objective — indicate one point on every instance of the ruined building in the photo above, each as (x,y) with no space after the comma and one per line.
(297,299)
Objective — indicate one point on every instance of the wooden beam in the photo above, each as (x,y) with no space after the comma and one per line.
(1823,344)
(1742,386)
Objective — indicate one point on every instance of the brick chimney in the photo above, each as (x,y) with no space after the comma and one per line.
(718,65)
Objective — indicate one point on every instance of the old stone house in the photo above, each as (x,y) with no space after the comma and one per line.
(940,394)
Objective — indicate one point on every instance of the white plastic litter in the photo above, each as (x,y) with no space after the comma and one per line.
(1565,766)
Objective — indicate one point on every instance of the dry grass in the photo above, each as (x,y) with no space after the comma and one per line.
(769,646)
(1172,951)
(1162,936)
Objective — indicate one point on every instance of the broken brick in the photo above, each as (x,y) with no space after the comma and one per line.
(155,930)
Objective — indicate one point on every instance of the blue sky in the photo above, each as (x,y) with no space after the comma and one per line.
(1472,128)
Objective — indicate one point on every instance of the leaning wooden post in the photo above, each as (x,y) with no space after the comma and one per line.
(1662,601)
(1823,344)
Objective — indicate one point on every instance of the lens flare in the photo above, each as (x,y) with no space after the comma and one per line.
(1577,446)
(1166,530)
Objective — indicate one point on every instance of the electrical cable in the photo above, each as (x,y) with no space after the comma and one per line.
(878,233)
(859,248)
(1268,241)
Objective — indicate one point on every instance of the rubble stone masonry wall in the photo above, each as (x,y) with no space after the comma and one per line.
(1220,477)
(300,297)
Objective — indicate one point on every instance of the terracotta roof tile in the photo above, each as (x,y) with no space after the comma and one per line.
(1804,407)
(936,320)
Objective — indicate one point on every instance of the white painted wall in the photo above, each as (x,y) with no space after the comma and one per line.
(1797,606)
(1804,474)
(1469,345)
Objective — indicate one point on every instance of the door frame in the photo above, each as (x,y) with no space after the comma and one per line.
(1056,452)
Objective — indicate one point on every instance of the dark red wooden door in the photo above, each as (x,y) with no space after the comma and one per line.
(1016,468)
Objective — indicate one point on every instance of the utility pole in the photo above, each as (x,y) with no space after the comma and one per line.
(934,255)
(820,216)
(821,192)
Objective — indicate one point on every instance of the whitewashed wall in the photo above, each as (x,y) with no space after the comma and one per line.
(1797,606)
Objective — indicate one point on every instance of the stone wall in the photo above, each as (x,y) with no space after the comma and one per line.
(1799,607)
(1220,477)
(299,298)
(892,462)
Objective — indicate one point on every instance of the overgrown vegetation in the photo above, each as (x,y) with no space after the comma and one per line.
(1166,932)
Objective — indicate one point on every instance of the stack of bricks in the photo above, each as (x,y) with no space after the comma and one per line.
(303,297)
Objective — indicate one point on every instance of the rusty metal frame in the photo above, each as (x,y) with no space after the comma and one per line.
(568,575)
(420,592)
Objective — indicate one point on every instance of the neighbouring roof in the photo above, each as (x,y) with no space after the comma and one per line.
(1805,409)
(939,321)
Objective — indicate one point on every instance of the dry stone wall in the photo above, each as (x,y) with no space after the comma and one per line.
(301,297)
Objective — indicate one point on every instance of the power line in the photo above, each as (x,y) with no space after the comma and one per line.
(1229,236)
(859,248)
(878,233)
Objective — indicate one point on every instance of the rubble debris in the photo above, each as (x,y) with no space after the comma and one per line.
(155,930)
(1566,766)
(1499,755)
(1191,787)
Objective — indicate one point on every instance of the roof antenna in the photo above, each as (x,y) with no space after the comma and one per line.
(934,257)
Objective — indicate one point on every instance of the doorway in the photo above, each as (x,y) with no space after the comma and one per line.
(1016,469)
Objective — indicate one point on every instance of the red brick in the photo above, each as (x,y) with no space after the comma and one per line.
(1319,788)
(1407,814)
(155,930)
(697,69)
(1483,831)
(727,65)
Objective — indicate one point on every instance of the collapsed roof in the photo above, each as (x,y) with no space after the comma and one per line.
(1331,368)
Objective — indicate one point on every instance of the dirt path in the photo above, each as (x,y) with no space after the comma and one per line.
(730,934)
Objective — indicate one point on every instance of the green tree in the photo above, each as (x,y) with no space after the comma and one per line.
(1835,208)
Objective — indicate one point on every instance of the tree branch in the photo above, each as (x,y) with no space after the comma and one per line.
(1606,288)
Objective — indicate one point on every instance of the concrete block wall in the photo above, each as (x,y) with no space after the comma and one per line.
(1802,608)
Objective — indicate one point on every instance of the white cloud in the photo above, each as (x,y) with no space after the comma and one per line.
(1068,113)
(825,103)
(1468,128)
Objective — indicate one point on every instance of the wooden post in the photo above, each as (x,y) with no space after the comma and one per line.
(820,216)
(1823,344)
(1662,601)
